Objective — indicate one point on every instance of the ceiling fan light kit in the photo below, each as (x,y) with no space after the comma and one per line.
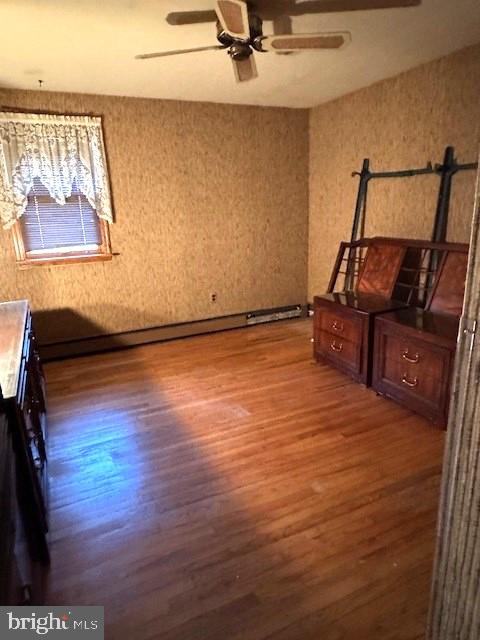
(240,28)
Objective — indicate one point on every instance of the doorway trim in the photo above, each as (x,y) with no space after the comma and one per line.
(455,598)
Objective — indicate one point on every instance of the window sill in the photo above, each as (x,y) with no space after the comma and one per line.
(63,260)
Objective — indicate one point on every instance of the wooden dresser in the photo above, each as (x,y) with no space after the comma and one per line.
(7,501)
(23,434)
(343,330)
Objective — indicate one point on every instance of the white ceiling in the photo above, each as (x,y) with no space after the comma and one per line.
(89,46)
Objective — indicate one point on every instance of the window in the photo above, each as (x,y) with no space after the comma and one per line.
(52,233)
(54,187)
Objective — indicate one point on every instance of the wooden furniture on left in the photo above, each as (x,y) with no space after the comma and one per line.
(7,530)
(23,430)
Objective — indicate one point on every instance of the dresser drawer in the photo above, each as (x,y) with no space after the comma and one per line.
(338,350)
(412,355)
(339,325)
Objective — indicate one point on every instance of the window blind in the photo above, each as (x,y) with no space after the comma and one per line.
(50,227)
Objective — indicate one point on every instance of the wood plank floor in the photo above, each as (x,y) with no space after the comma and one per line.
(226,487)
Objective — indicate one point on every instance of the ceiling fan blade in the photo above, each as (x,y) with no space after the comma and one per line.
(191,17)
(305,41)
(331,6)
(245,69)
(272,9)
(233,16)
(164,54)
(282,25)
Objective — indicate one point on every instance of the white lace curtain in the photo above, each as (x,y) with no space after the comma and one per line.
(57,150)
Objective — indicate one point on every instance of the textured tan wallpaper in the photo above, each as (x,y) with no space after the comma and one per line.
(399,123)
(208,198)
(214,198)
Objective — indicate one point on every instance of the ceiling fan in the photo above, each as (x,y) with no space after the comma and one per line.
(240,28)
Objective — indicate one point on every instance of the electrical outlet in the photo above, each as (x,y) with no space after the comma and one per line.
(213,297)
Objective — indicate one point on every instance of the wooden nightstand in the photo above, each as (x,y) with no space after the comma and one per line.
(343,330)
(414,352)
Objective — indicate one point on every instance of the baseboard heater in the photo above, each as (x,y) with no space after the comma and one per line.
(136,337)
(272,315)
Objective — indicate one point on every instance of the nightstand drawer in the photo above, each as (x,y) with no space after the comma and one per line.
(337,349)
(339,325)
(412,380)
(414,356)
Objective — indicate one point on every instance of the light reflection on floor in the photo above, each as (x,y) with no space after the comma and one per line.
(103,468)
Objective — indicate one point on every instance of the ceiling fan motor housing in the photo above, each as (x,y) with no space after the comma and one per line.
(238,48)
(240,51)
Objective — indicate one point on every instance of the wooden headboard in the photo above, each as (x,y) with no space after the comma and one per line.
(422,273)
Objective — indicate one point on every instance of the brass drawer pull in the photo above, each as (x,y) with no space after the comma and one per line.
(336,347)
(408,358)
(410,383)
(337,326)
